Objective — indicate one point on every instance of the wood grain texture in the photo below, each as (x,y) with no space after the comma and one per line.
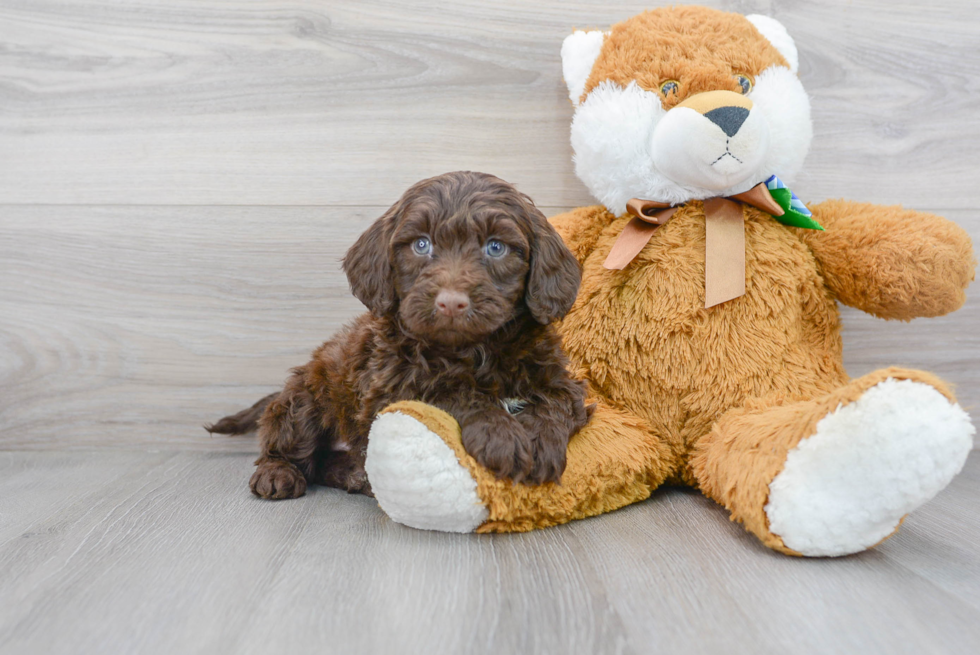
(169,553)
(333,102)
(135,325)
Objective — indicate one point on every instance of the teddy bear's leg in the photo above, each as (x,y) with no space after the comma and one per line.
(422,477)
(837,474)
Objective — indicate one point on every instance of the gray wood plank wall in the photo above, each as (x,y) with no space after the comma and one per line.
(178,180)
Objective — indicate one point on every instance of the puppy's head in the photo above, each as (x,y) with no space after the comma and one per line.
(458,256)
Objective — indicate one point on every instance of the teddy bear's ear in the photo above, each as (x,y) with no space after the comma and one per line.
(578,52)
(777,35)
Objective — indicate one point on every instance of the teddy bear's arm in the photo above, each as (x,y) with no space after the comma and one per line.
(580,228)
(889,261)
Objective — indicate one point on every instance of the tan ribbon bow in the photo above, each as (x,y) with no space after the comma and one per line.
(724,235)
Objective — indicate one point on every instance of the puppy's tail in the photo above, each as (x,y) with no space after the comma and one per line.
(244,421)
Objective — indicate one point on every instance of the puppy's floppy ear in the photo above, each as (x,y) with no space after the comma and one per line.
(554,278)
(368,264)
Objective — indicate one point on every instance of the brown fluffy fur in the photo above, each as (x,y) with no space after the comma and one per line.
(501,347)
(706,54)
(681,375)
(716,397)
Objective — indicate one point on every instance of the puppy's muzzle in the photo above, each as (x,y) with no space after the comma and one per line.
(452,303)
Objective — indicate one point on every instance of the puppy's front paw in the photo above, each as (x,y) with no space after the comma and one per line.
(549,462)
(500,444)
(276,480)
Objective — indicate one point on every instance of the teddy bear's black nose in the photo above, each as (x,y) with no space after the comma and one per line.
(729,119)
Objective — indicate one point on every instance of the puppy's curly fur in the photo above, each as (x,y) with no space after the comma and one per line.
(462,276)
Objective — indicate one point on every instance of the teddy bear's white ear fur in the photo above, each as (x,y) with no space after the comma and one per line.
(578,52)
(777,35)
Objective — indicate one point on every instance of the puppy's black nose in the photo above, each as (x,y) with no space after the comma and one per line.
(451,302)
(729,119)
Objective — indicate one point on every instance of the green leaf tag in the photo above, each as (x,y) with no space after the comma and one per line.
(797,215)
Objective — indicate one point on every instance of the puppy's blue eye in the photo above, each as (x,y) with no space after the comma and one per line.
(496,248)
(422,246)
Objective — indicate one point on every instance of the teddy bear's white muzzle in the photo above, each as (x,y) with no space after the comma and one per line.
(716,150)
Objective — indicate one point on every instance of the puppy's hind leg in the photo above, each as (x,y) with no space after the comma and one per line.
(342,470)
(289,431)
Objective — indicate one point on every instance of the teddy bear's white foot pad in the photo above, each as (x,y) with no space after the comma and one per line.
(417,479)
(868,464)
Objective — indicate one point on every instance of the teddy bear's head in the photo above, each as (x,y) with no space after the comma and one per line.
(685,103)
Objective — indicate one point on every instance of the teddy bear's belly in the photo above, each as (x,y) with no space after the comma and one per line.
(646,343)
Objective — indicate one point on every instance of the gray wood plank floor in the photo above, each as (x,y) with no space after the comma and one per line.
(167,552)
(178,181)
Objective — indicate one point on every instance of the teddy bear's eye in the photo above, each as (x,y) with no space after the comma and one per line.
(668,87)
(744,82)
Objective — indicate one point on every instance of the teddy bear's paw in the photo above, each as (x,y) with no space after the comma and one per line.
(417,478)
(869,463)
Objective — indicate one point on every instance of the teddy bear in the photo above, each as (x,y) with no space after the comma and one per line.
(707,323)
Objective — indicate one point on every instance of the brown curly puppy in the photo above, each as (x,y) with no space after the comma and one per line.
(463,276)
